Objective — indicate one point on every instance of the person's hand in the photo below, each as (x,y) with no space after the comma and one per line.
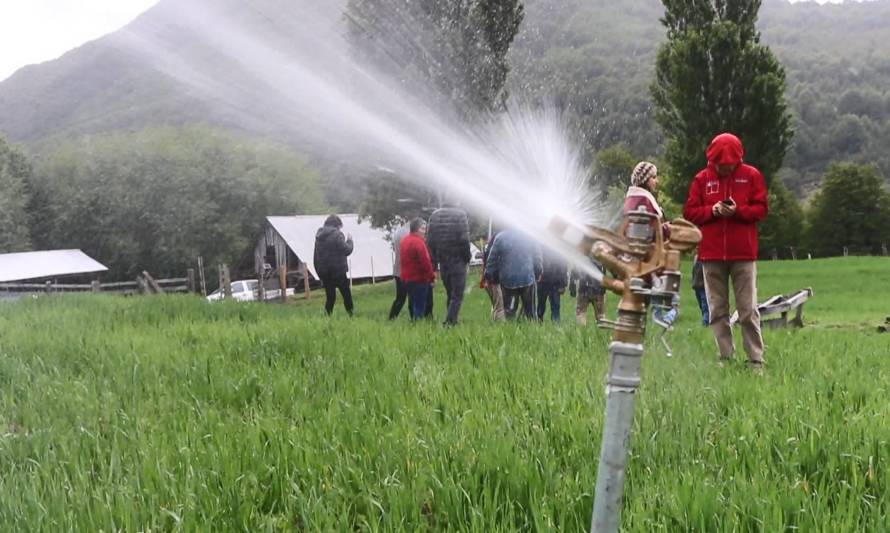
(720,210)
(724,209)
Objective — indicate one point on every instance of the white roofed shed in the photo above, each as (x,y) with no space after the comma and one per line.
(25,266)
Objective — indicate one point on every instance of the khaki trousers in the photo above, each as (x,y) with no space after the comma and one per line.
(744,285)
(584,300)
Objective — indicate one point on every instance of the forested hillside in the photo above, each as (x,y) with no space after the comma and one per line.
(596,58)
(593,57)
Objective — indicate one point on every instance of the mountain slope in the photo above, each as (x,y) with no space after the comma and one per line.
(592,57)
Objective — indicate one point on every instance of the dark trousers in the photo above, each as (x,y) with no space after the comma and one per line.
(428,313)
(702,298)
(548,291)
(512,299)
(454,278)
(399,302)
(418,296)
(331,285)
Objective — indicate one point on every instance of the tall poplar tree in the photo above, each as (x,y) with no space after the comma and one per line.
(713,75)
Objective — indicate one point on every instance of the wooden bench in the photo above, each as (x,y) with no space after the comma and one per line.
(780,305)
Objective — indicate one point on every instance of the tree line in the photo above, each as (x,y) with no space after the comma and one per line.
(154,199)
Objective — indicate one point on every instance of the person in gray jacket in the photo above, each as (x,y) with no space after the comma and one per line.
(401,290)
(448,237)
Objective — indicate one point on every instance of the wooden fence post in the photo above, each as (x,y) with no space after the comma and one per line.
(201,275)
(191,281)
(260,288)
(142,284)
(282,282)
(884,249)
(152,283)
(846,251)
(373,281)
(48,286)
(775,254)
(95,286)
(793,254)
(226,280)
(306,281)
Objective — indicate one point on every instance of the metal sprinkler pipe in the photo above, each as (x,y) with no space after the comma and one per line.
(645,270)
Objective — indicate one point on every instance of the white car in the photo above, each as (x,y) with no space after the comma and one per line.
(475,255)
(245,290)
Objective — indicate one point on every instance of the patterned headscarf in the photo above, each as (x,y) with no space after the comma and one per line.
(642,172)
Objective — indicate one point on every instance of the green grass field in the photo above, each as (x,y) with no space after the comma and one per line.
(168,414)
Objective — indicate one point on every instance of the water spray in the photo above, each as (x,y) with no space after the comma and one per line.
(645,271)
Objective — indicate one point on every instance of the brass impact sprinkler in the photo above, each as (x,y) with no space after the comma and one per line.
(645,270)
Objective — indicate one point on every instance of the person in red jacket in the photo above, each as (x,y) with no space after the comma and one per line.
(416,268)
(726,200)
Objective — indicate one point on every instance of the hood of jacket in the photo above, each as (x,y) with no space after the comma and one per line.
(325,232)
(725,149)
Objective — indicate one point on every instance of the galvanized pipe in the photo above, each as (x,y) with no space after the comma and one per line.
(621,387)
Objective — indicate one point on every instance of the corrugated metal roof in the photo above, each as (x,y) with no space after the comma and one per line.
(371,255)
(35,265)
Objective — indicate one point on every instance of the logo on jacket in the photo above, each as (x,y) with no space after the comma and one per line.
(712,187)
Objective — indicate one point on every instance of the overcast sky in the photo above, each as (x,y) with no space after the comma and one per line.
(33,31)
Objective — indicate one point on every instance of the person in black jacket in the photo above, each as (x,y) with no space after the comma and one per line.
(448,237)
(551,285)
(332,248)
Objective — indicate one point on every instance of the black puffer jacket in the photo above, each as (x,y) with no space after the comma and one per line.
(448,236)
(331,250)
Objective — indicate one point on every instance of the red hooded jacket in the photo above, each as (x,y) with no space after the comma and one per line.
(414,260)
(733,238)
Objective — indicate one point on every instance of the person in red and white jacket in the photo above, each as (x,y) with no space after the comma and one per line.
(726,200)
(416,268)
(641,196)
